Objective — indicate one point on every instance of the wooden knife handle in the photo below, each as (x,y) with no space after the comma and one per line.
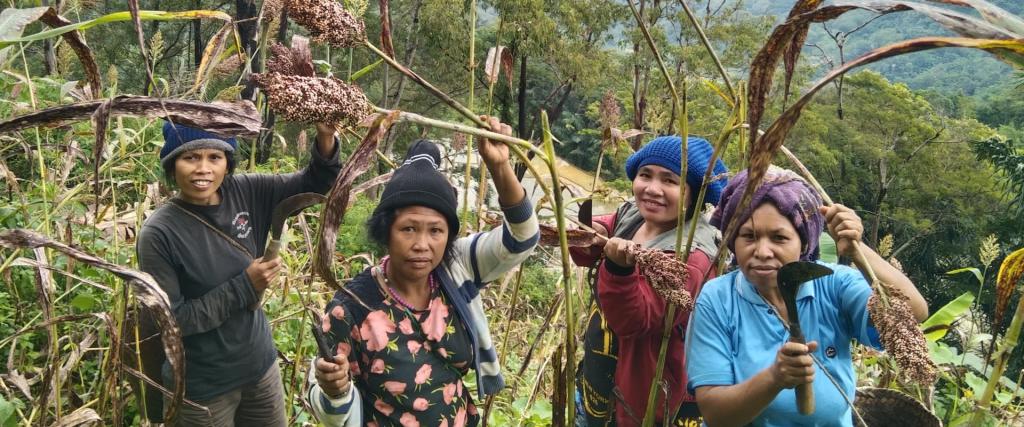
(804,392)
(273,249)
(805,398)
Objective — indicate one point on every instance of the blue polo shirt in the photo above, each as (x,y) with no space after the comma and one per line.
(734,334)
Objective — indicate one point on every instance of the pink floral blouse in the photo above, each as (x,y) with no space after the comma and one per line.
(407,365)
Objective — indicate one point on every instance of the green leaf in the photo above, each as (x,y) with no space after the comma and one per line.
(945,316)
(6,411)
(84,302)
(828,250)
(977,384)
(362,71)
(977,273)
(145,15)
(13,23)
(943,354)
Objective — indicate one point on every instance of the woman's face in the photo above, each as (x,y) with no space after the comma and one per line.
(416,242)
(765,243)
(199,173)
(656,190)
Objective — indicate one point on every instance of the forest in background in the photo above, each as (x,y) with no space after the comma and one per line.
(925,146)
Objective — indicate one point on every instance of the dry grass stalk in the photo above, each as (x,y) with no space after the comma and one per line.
(328,22)
(899,334)
(313,99)
(228,67)
(667,274)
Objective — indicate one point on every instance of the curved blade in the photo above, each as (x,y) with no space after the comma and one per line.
(291,206)
(793,274)
(790,277)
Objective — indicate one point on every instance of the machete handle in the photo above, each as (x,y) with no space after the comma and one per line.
(805,398)
(804,392)
(273,248)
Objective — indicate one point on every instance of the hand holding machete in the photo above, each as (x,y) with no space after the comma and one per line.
(288,207)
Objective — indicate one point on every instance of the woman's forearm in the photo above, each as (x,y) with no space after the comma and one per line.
(739,404)
(510,191)
(890,275)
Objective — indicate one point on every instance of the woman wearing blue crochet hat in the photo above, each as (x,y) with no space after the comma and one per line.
(203,248)
(624,331)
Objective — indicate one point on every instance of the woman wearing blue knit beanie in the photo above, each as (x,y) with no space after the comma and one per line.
(203,248)
(624,331)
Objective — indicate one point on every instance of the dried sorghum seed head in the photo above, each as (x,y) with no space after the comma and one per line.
(313,99)
(609,111)
(280,60)
(327,22)
(666,273)
(901,337)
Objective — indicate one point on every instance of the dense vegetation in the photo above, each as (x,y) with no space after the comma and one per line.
(925,146)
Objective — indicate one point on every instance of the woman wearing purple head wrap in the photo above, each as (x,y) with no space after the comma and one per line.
(741,366)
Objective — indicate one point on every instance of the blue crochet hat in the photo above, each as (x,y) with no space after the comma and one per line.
(179,138)
(664,151)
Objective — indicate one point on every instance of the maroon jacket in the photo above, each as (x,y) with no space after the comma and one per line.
(636,314)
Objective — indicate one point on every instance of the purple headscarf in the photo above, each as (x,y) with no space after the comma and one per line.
(793,197)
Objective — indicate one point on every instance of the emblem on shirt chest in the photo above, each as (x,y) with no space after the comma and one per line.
(241,225)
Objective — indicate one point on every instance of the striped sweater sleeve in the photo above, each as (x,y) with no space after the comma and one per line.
(490,254)
(344,411)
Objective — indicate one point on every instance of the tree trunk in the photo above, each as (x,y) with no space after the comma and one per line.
(521,123)
(521,99)
(266,137)
(197,37)
(50,55)
(883,188)
(246,12)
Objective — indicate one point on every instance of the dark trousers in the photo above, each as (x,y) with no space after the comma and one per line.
(260,403)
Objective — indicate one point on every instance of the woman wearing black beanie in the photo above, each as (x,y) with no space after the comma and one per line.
(406,331)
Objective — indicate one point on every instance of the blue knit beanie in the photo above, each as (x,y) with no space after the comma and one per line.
(179,138)
(664,151)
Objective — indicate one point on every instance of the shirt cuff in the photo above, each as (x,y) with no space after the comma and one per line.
(520,212)
(326,160)
(618,270)
(246,291)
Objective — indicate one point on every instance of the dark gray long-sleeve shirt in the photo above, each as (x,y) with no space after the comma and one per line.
(226,344)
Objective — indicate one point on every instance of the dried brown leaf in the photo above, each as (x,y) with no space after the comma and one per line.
(100,119)
(385,28)
(575,237)
(80,417)
(211,56)
(144,288)
(77,43)
(492,68)
(796,43)
(227,119)
(337,199)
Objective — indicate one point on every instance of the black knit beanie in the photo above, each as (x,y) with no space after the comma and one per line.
(417,182)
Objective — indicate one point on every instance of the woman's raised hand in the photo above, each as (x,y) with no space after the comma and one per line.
(844,225)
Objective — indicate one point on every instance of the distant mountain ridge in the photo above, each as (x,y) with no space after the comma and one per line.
(947,71)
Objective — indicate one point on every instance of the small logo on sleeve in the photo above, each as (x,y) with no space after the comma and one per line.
(241,225)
